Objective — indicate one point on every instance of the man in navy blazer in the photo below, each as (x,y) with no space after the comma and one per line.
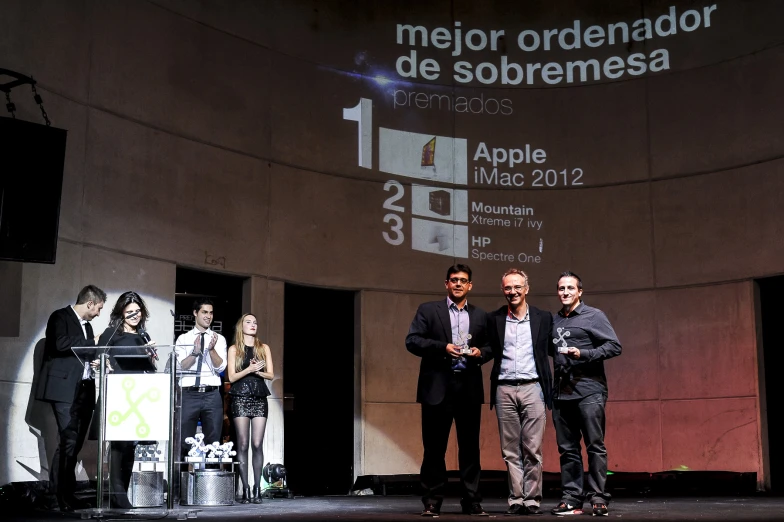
(450,337)
(520,389)
(62,383)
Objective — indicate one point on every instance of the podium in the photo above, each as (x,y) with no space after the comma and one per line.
(137,411)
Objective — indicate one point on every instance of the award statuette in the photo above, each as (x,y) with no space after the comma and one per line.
(459,363)
(564,348)
(463,344)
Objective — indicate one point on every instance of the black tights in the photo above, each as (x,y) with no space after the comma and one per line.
(242,426)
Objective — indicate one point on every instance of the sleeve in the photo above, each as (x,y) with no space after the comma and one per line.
(548,321)
(222,350)
(486,345)
(605,342)
(182,348)
(417,341)
(57,329)
(103,340)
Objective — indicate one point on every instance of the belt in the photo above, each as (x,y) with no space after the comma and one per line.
(516,382)
(201,389)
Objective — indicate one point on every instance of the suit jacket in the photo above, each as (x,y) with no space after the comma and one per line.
(430,332)
(541,335)
(61,371)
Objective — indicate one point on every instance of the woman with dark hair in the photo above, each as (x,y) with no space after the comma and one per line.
(126,328)
(126,322)
(250,363)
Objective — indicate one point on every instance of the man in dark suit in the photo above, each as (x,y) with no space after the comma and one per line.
(446,334)
(520,389)
(66,384)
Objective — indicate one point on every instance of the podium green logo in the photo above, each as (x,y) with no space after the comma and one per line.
(116,418)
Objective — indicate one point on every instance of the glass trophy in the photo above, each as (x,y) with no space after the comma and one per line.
(464,344)
(562,332)
(459,363)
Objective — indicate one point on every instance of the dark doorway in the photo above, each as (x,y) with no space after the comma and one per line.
(318,379)
(225,291)
(771,310)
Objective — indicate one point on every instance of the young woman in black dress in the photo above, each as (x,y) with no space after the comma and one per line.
(249,364)
(126,328)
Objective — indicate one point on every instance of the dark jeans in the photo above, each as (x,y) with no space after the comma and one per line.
(436,425)
(575,419)
(207,407)
(73,420)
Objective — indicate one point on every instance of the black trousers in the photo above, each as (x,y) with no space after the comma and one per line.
(436,425)
(120,471)
(73,421)
(207,407)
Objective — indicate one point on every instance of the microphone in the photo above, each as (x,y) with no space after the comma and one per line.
(151,349)
(144,334)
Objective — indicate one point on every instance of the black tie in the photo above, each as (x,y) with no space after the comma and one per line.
(201,359)
(89,329)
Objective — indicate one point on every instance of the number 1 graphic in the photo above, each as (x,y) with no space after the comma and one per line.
(362,113)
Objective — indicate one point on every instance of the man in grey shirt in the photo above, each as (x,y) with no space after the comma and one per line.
(584,339)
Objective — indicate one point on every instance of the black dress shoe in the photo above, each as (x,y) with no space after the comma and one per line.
(431,510)
(534,510)
(70,503)
(120,501)
(516,509)
(474,508)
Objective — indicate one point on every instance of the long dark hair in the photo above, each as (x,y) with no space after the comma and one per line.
(117,317)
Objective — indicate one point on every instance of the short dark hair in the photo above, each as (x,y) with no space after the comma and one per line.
(459,268)
(201,301)
(91,293)
(569,273)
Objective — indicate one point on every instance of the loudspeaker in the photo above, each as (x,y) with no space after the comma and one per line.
(32,157)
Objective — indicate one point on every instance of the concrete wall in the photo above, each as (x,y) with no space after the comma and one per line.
(209,129)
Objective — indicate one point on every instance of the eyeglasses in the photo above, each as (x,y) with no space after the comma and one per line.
(516,288)
(455,280)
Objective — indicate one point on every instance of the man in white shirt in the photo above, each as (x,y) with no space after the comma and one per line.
(203,352)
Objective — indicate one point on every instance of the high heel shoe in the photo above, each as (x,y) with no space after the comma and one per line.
(245,496)
(256,495)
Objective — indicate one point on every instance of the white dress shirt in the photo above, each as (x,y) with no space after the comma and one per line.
(210,375)
(518,359)
(87,373)
(81,321)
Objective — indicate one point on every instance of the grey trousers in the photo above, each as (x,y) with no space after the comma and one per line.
(521,422)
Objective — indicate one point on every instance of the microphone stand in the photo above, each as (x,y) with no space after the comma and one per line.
(119,324)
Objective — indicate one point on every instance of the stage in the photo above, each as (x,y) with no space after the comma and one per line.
(393,508)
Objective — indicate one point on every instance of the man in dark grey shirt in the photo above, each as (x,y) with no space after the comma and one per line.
(584,339)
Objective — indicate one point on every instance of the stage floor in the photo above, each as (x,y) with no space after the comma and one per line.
(394,508)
